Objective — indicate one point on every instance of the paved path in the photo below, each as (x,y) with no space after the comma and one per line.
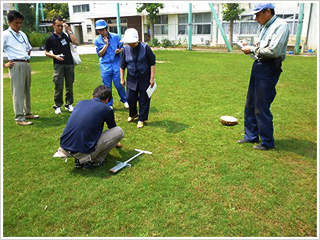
(83,49)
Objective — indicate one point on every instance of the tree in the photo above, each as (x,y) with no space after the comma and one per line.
(153,11)
(231,12)
(52,9)
(28,10)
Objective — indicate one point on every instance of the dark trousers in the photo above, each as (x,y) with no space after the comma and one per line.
(60,73)
(144,103)
(261,93)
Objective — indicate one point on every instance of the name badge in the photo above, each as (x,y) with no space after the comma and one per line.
(63,42)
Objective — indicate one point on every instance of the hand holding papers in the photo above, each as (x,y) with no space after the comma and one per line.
(242,44)
(151,90)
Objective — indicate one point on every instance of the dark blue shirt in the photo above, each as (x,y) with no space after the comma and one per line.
(85,126)
(60,45)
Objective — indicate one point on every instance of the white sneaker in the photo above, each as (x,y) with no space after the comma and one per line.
(58,110)
(69,108)
(126,105)
(111,107)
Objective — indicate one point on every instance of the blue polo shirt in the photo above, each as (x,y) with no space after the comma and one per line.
(85,126)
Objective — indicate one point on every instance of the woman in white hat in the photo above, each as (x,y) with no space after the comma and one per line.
(140,62)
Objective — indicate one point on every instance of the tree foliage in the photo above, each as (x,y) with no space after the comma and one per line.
(52,9)
(151,8)
(153,11)
(231,12)
(28,10)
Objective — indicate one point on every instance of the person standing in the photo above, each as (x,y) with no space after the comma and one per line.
(83,137)
(108,48)
(18,49)
(63,67)
(271,52)
(140,61)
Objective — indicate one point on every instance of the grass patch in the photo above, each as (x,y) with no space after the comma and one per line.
(197,183)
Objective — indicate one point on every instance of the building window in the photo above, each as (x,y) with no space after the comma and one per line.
(113,27)
(89,29)
(81,8)
(201,23)
(161,25)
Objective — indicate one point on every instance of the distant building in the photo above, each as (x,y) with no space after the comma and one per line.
(6,8)
(173,21)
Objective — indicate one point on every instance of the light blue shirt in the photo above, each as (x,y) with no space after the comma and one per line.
(273,39)
(16,45)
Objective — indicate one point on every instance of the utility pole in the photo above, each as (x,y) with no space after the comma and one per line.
(298,35)
(118,20)
(190,27)
(220,27)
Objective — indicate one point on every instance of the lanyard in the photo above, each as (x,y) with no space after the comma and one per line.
(24,41)
(265,30)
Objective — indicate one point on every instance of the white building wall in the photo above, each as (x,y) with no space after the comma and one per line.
(172,9)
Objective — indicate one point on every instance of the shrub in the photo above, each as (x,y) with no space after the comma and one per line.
(154,42)
(37,39)
(166,43)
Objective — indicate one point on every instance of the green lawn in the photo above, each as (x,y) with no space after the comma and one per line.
(197,183)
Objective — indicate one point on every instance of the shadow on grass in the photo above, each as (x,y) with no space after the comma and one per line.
(302,147)
(170,126)
(103,171)
(54,121)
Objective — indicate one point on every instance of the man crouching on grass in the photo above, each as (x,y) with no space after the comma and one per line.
(83,137)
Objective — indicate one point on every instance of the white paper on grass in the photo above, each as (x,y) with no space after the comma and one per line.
(151,90)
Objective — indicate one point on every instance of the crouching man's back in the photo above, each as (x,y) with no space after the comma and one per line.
(83,137)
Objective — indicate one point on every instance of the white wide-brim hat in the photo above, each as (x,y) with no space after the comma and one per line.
(130,36)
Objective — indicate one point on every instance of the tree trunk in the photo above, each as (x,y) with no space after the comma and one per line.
(231,32)
(151,29)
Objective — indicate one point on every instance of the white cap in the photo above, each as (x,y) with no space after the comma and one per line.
(130,36)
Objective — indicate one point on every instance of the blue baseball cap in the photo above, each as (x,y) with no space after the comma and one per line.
(100,24)
(260,6)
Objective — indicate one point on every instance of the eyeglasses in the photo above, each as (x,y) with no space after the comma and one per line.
(59,25)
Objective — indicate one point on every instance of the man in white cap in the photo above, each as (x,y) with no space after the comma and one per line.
(108,47)
(140,62)
(270,51)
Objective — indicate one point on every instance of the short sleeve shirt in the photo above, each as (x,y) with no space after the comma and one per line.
(60,45)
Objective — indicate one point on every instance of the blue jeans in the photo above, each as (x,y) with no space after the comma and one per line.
(114,75)
(261,93)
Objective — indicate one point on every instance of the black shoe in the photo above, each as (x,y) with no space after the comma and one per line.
(259,147)
(88,166)
(77,163)
(247,141)
(98,164)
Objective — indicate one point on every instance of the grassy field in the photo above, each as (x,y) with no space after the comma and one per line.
(197,183)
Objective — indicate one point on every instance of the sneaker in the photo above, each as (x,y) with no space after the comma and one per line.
(77,163)
(140,124)
(31,116)
(69,108)
(24,123)
(58,110)
(126,105)
(131,119)
(111,107)
(88,166)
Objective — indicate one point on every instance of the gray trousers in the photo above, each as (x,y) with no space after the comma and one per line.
(60,73)
(20,75)
(108,140)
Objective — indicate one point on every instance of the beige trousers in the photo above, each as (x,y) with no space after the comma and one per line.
(108,140)
(20,75)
